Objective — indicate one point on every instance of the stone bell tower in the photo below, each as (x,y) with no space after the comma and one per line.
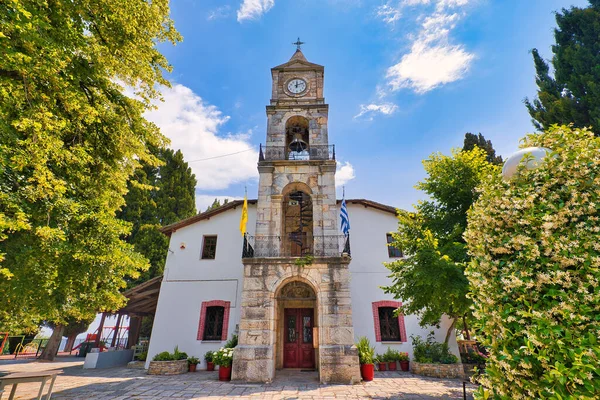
(296,310)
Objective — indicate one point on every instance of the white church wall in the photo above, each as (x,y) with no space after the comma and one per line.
(368,244)
(188,281)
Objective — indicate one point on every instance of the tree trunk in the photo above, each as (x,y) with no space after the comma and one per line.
(466,328)
(70,342)
(449,332)
(53,344)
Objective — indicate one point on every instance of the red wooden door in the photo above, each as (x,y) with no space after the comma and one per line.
(298,349)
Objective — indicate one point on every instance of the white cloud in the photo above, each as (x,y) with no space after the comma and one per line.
(219,12)
(415,2)
(389,14)
(343,173)
(203,201)
(433,59)
(193,127)
(253,9)
(371,109)
(426,68)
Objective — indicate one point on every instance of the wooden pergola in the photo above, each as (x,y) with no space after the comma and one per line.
(141,302)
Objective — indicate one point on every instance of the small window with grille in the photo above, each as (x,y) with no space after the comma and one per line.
(388,325)
(209,247)
(393,252)
(213,325)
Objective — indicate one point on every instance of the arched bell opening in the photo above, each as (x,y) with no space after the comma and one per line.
(297,224)
(297,332)
(297,138)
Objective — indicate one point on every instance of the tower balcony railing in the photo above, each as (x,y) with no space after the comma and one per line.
(295,245)
(313,152)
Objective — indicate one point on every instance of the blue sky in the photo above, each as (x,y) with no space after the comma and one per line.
(403,79)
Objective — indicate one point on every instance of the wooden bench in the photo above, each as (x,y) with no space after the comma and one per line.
(25,377)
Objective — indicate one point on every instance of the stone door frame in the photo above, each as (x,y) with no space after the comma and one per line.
(283,302)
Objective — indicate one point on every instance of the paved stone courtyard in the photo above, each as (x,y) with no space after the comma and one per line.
(123,383)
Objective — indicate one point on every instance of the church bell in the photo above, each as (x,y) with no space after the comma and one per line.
(298,145)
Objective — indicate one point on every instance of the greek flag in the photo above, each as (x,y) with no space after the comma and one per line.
(344,218)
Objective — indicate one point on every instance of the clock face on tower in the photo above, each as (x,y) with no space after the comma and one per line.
(296,86)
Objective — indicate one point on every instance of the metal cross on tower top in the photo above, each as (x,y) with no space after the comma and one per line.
(298,44)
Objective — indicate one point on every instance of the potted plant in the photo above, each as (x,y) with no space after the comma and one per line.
(403,358)
(208,357)
(365,357)
(223,358)
(166,363)
(380,361)
(192,363)
(391,356)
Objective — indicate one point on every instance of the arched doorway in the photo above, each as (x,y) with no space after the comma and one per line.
(296,309)
(297,138)
(297,224)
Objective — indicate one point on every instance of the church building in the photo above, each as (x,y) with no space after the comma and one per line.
(295,288)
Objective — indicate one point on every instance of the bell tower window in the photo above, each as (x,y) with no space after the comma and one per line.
(296,138)
(298,224)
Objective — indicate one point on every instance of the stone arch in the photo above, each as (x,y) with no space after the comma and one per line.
(297,186)
(297,222)
(297,138)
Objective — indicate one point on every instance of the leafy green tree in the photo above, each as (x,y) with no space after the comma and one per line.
(158,196)
(573,94)
(472,140)
(70,140)
(534,273)
(430,280)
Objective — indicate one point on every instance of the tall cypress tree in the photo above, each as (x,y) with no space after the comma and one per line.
(573,94)
(472,140)
(158,196)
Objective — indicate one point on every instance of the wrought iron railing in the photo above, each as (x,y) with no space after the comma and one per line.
(313,152)
(295,245)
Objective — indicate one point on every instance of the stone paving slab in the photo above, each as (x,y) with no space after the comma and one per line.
(134,384)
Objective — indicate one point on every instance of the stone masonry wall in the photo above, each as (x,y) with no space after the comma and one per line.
(438,370)
(168,367)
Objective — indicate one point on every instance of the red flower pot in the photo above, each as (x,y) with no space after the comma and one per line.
(210,366)
(192,367)
(382,366)
(224,373)
(392,365)
(367,371)
(404,365)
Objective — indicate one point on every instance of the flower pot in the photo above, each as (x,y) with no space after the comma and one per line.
(404,365)
(192,367)
(210,366)
(392,365)
(224,373)
(367,371)
(382,366)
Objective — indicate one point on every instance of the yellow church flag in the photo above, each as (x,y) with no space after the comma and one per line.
(244,219)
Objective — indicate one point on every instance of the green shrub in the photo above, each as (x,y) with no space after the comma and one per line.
(231,343)
(179,355)
(365,351)
(142,356)
(391,355)
(193,360)
(208,356)
(164,356)
(535,272)
(431,352)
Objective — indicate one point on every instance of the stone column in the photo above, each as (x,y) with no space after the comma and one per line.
(338,361)
(254,356)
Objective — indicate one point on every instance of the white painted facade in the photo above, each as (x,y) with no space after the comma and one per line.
(189,280)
